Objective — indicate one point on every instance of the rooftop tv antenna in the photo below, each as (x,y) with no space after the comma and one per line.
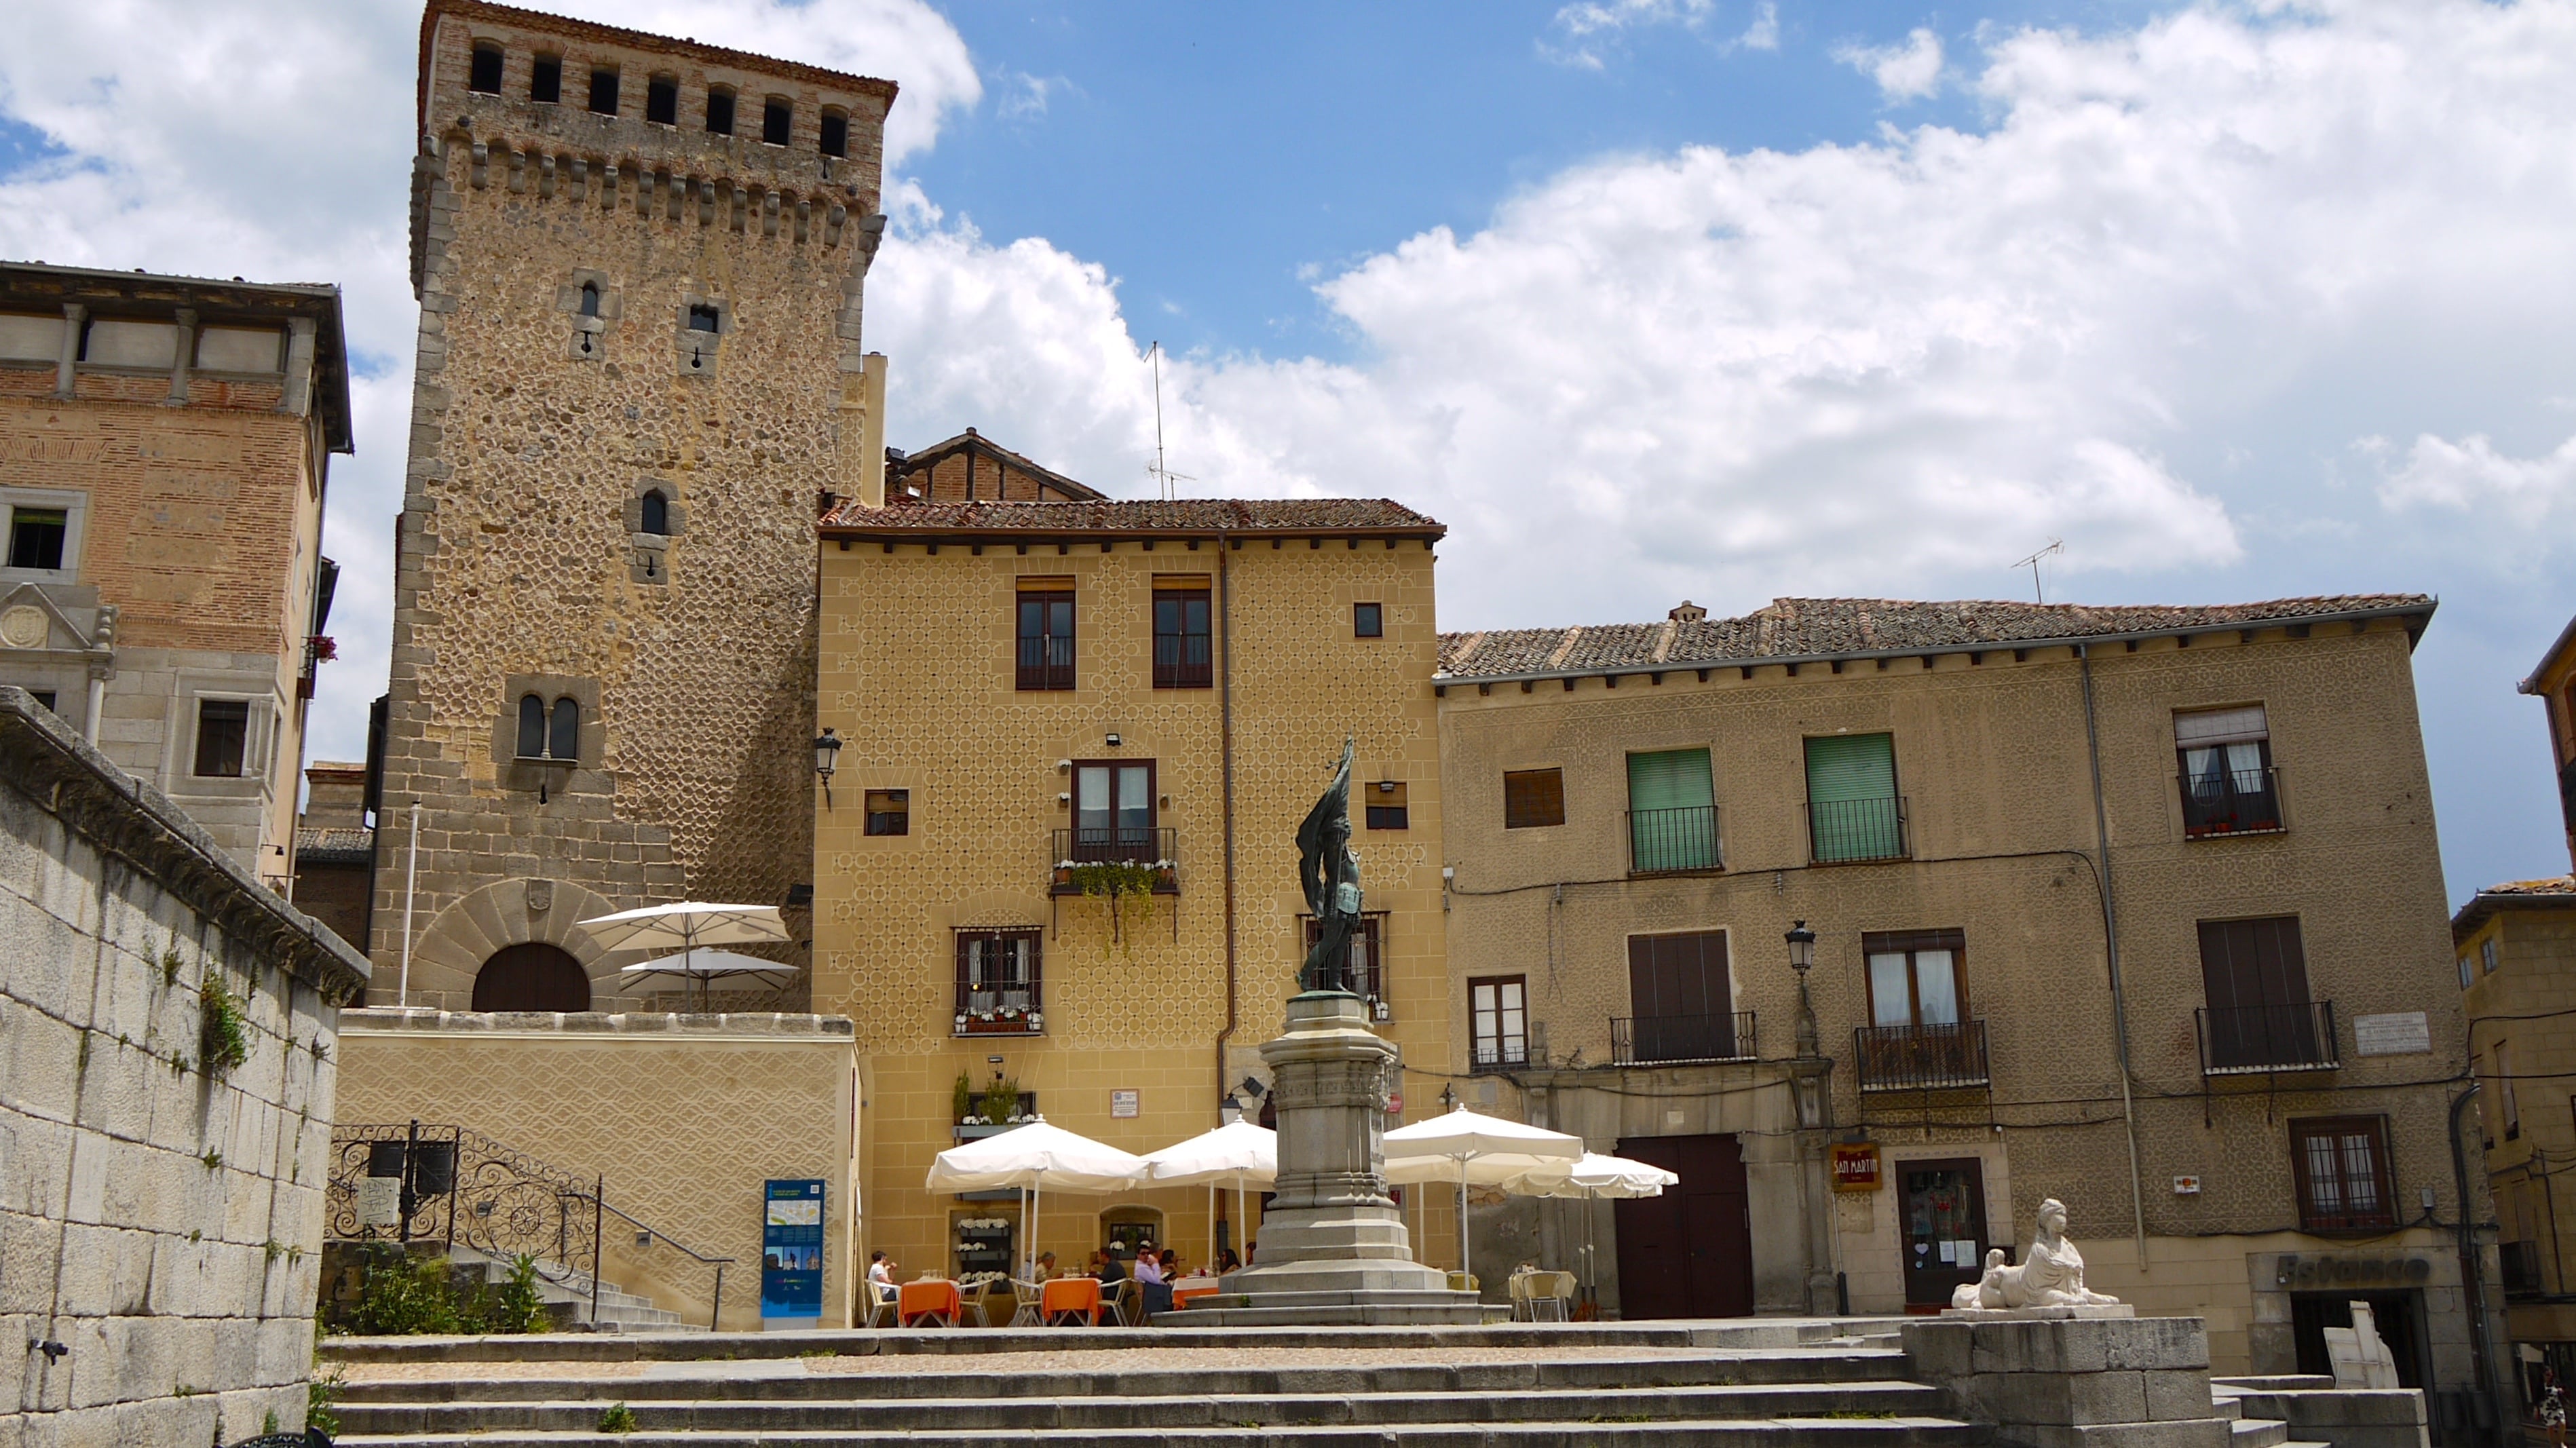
(1163,477)
(2055,545)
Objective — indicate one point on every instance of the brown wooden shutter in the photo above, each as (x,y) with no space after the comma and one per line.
(1533,797)
(2246,963)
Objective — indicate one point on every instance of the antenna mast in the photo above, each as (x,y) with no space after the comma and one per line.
(2055,545)
(1163,477)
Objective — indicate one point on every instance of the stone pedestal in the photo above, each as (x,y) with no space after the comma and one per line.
(2072,1377)
(1333,1249)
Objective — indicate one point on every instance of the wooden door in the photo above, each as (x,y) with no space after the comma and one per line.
(1689,1252)
(1941,1208)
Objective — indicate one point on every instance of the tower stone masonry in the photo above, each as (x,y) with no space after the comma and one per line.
(640,265)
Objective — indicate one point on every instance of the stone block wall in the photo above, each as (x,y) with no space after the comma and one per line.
(160,1210)
(2137,1382)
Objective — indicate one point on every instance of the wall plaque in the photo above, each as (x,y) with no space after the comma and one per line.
(1856,1166)
(2401,1033)
(1123,1103)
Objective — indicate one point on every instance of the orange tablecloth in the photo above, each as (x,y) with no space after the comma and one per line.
(1071,1294)
(921,1298)
(1187,1289)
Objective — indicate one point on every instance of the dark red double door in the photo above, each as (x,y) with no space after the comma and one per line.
(1689,1252)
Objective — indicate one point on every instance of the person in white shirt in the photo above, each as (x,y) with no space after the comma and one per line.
(881,1269)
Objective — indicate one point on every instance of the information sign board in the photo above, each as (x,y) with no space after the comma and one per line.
(791,1249)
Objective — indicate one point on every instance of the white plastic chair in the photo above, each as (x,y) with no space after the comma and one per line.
(882,1297)
(1029,1296)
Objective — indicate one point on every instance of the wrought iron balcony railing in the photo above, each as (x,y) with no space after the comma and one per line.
(1183,661)
(1073,852)
(1847,831)
(1921,1058)
(2231,802)
(1640,1040)
(2244,1040)
(1663,841)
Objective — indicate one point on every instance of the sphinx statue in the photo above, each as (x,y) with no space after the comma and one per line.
(2050,1274)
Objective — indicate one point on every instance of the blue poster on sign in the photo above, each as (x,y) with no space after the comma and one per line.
(791,1249)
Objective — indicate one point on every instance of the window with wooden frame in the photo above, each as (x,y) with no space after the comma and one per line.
(1113,812)
(889,811)
(1386,805)
(2260,1013)
(1184,653)
(1045,632)
(1368,951)
(997,983)
(223,738)
(1368,620)
(1498,1019)
(2226,772)
(2341,1167)
(1916,977)
(1533,797)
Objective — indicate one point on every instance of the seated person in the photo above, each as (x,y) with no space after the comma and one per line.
(1045,1271)
(1106,1266)
(881,1269)
(1149,1276)
(1226,1261)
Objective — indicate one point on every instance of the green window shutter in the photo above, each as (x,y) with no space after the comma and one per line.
(1671,822)
(1851,797)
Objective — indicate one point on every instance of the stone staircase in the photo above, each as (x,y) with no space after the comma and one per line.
(567,1294)
(2311,1411)
(1753,1384)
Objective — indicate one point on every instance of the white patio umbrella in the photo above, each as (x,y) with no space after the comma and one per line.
(1463,1137)
(1032,1157)
(1241,1152)
(1590,1177)
(703,967)
(685,926)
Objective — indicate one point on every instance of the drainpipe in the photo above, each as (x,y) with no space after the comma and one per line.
(2472,1281)
(2111,948)
(1225,750)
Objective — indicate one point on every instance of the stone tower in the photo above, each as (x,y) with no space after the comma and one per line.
(640,264)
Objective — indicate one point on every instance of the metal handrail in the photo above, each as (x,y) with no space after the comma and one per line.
(1125,844)
(600,1204)
(1645,1040)
(2250,1040)
(1667,841)
(2231,802)
(1921,1058)
(1851,831)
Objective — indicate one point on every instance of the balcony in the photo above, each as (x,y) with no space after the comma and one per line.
(1921,1058)
(1080,855)
(1183,661)
(1011,1012)
(2250,1040)
(1851,831)
(1675,1040)
(1670,841)
(2231,802)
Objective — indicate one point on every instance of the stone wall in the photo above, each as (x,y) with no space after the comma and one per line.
(688,1115)
(160,1211)
(537,429)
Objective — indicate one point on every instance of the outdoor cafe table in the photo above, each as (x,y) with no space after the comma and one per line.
(1066,1296)
(936,1297)
(1201,1287)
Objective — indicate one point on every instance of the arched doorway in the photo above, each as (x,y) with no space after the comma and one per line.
(532,976)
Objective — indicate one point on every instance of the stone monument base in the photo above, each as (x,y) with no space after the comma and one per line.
(2040,1314)
(1333,1249)
(2072,1382)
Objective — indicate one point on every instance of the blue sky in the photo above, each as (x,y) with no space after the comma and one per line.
(1646,299)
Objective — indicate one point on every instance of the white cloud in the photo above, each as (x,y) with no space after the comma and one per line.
(1764,32)
(1591,27)
(2470,475)
(1908,72)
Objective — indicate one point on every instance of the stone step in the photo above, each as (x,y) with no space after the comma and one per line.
(1866,1401)
(783,1381)
(2278,1383)
(1583,1432)
(2256,1433)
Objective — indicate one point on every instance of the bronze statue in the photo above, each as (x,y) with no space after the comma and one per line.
(1330,874)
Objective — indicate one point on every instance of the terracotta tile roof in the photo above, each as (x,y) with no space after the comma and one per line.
(1829,628)
(1372,517)
(335,846)
(2554,893)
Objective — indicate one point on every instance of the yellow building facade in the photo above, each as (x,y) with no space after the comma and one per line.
(1059,844)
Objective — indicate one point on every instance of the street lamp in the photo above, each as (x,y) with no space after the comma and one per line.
(827,752)
(1802,958)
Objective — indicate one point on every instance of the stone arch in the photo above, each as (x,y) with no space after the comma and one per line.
(457,942)
(532,976)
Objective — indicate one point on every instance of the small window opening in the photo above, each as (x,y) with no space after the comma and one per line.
(603,91)
(563,734)
(720,112)
(889,811)
(1368,620)
(532,727)
(545,79)
(223,732)
(36,537)
(662,101)
(485,73)
(776,119)
(590,299)
(44,697)
(836,134)
(703,318)
(1387,809)
(657,512)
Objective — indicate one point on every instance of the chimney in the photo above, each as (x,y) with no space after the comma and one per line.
(1689,612)
(872,451)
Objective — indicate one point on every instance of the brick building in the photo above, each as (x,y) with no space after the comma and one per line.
(1060,848)
(2516,944)
(335,850)
(165,448)
(972,468)
(640,263)
(1963,801)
